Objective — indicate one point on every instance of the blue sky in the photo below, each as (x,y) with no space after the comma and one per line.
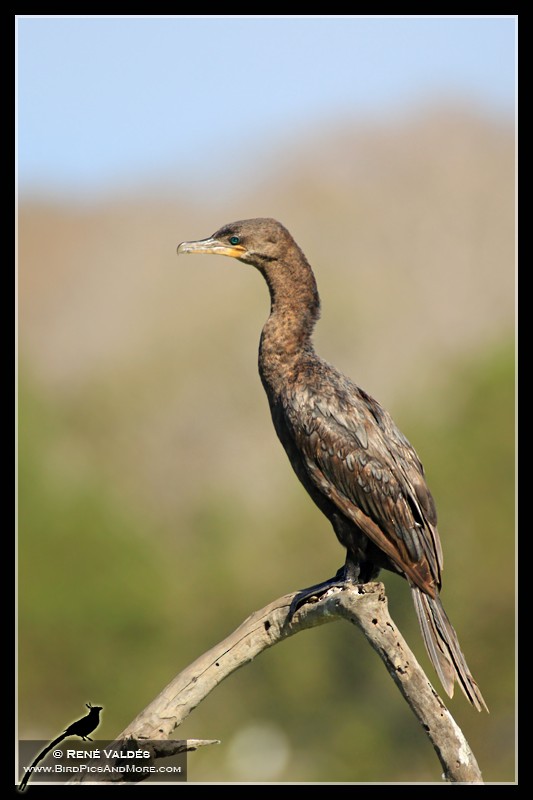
(107,101)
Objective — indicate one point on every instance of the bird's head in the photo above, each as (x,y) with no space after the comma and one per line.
(254,241)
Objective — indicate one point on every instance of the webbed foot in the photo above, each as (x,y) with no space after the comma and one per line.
(348,573)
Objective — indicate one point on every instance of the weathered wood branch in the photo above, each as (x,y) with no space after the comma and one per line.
(364,606)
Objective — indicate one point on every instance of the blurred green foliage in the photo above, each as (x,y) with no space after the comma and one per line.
(115,598)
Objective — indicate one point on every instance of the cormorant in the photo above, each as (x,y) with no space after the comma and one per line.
(356,465)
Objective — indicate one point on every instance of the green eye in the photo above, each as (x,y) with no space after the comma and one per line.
(234,240)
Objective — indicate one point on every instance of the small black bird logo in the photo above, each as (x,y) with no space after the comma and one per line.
(82,728)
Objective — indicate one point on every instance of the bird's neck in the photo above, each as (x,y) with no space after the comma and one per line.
(287,334)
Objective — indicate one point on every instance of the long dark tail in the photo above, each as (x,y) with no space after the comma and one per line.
(443,648)
(28,773)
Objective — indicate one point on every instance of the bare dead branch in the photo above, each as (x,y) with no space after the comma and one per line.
(362,605)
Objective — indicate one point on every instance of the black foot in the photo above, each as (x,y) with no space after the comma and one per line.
(347,573)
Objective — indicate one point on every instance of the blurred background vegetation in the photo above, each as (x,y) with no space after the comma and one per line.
(157,509)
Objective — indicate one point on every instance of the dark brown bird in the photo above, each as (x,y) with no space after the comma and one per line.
(356,465)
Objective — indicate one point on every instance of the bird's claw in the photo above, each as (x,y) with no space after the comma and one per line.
(317,591)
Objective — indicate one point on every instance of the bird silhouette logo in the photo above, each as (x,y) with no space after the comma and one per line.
(81,727)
